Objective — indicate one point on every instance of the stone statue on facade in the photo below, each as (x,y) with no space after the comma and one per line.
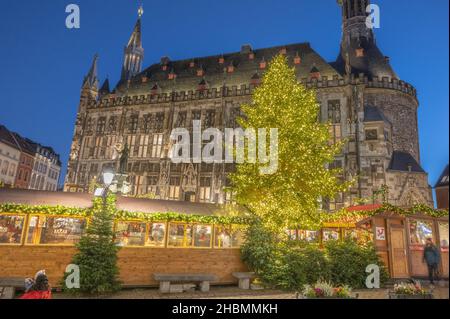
(189,178)
(117,149)
(74,150)
(123,162)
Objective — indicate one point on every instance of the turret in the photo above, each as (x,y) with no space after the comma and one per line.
(359,52)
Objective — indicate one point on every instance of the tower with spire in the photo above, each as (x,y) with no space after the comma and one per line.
(133,52)
(359,52)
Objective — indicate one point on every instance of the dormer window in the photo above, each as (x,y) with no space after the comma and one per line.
(297,59)
(359,52)
(221,60)
(191,64)
(283,51)
(203,85)
(172,75)
(255,80)
(230,68)
(251,56)
(262,64)
(155,89)
(314,73)
(164,67)
(200,72)
(144,79)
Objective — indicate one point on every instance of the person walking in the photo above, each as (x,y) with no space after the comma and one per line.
(431,257)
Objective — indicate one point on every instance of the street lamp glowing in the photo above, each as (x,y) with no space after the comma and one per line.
(108,177)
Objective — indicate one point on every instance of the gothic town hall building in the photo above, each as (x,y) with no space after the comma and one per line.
(360,94)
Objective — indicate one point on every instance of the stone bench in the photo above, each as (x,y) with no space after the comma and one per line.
(166,280)
(244,279)
(8,287)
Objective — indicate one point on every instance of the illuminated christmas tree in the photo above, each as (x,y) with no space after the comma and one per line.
(293,194)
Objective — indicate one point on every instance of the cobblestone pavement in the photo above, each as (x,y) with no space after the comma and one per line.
(235,293)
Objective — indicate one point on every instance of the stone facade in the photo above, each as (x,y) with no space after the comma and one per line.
(360,96)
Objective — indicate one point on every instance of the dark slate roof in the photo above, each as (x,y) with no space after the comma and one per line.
(7,137)
(374,114)
(105,88)
(216,74)
(401,161)
(372,64)
(443,179)
(24,145)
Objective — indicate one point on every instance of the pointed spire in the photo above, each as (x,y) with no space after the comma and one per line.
(136,37)
(91,80)
(105,88)
(134,52)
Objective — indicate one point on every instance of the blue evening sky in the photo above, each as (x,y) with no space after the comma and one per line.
(42,63)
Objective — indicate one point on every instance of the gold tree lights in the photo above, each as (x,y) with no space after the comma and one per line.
(293,193)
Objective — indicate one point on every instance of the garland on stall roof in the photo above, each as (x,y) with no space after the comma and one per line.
(121,215)
(45,210)
(420,209)
(341,216)
(177,217)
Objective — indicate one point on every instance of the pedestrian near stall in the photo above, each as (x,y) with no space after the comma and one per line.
(432,257)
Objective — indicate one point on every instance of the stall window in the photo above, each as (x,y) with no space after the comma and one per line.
(180,235)
(307,235)
(419,231)
(292,234)
(156,235)
(443,234)
(329,234)
(202,236)
(11,228)
(47,230)
(228,236)
(130,233)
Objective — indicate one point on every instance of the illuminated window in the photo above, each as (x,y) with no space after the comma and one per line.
(443,234)
(157,145)
(55,230)
(174,188)
(180,235)
(330,234)
(228,236)
(419,231)
(202,236)
(11,229)
(156,235)
(130,233)
(307,235)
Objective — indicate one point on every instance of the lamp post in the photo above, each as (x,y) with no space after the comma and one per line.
(108,177)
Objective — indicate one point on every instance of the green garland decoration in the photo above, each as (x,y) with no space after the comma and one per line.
(122,215)
(420,209)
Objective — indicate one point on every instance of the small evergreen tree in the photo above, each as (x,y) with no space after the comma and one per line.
(97,253)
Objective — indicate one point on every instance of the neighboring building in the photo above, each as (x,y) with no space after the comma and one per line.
(27,164)
(360,95)
(9,157)
(46,169)
(441,189)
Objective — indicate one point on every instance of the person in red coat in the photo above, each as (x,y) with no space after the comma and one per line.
(40,289)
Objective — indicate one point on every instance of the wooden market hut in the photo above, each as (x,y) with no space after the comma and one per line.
(38,230)
(400,237)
